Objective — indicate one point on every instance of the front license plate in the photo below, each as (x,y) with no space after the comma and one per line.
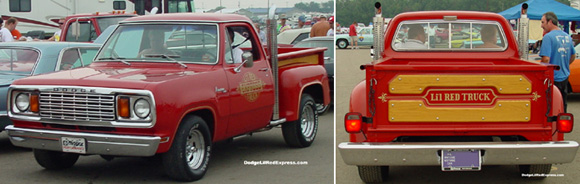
(73,145)
(461,160)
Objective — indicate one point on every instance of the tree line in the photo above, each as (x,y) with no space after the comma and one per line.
(325,7)
(363,10)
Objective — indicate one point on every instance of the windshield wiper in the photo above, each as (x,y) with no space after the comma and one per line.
(114,58)
(168,57)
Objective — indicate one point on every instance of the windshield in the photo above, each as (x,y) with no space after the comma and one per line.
(444,35)
(162,42)
(19,61)
(105,22)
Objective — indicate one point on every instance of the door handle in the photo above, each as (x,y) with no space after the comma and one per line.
(264,69)
(220,90)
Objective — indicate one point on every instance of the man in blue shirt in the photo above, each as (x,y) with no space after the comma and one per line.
(557,48)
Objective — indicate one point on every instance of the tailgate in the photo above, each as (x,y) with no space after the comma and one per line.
(451,97)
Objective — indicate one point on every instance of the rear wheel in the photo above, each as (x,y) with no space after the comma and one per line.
(373,174)
(342,44)
(528,171)
(188,157)
(301,133)
(53,160)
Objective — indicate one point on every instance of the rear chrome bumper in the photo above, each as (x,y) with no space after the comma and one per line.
(96,143)
(428,153)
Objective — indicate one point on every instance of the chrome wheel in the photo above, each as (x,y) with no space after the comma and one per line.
(195,148)
(307,121)
(342,44)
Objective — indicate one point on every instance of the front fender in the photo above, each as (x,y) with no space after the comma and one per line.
(294,81)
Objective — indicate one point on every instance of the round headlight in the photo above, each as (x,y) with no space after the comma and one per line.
(142,108)
(22,101)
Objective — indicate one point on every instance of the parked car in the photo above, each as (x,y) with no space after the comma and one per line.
(327,42)
(574,78)
(293,36)
(365,38)
(23,59)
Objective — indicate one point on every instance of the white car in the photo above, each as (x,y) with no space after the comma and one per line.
(293,36)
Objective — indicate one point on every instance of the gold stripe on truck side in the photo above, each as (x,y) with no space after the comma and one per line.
(417,111)
(416,84)
(311,59)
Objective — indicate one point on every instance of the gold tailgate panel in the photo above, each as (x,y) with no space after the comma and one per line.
(451,98)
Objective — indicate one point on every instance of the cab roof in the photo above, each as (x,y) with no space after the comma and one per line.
(195,17)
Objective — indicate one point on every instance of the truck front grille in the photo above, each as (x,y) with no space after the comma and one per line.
(77,106)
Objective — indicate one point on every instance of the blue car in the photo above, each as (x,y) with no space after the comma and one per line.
(23,59)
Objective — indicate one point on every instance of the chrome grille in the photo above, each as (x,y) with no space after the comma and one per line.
(77,106)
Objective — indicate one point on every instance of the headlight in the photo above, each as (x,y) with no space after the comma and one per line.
(22,102)
(142,108)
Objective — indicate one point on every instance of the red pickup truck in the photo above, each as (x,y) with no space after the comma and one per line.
(87,27)
(170,85)
(461,103)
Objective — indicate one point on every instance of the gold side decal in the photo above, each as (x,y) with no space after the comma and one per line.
(417,111)
(383,97)
(251,87)
(416,84)
(535,96)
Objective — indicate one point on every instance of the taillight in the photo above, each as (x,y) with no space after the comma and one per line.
(353,122)
(565,122)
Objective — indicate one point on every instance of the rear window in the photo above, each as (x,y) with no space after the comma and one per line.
(18,61)
(449,35)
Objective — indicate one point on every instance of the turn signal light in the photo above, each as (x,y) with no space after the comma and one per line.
(34,107)
(565,122)
(123,107)
(353,122)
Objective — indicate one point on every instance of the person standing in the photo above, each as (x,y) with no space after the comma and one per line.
(56,36)
(261,34)
(557,48)
(353,35)
(320,28)
(331,30)
(283,26)
(301,21)
(431,32)
(5,32)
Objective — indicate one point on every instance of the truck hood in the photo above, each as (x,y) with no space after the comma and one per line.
(116,75)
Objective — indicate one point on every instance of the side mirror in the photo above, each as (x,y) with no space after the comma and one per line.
(248,59)
(247,63)
(76,29)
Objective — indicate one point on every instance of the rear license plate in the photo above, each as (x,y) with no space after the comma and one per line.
(461,160)
(73,145)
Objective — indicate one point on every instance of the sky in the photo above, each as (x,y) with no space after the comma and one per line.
(232,4)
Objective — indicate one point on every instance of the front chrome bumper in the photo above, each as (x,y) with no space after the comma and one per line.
(428,153)
(96,143)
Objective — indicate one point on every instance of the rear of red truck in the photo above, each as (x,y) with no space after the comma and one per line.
(460,103)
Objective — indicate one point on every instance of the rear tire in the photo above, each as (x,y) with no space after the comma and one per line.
(342,44)
(535,169)
(188,157)
(373,174)
(54,160)
(301,133)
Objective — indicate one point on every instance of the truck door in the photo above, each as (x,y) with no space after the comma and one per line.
(251,89)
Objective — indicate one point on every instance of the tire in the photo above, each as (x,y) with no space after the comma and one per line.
(535,169)
(301,133)
(53,160)
(373,174)
(342,44)
(321,108)
(188,156)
